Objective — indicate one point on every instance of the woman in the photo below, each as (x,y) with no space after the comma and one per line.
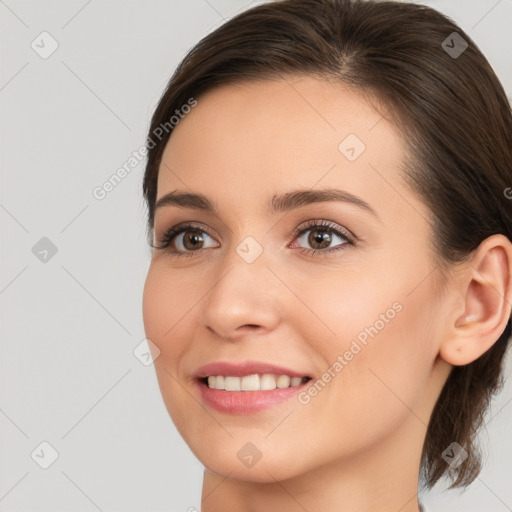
(331,282)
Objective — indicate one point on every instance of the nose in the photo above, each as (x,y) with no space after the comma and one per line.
(244,299)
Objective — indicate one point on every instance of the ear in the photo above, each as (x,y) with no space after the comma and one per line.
(486,302)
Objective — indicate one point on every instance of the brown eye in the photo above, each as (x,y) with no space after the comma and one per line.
(317,236)
(319,239)
(184,240)
(192,240)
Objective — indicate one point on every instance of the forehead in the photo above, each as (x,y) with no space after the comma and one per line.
(256,139)
(301,114)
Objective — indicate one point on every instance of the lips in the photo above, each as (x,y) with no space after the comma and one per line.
(245,368)
(246,402)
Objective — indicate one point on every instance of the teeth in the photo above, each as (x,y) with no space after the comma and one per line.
(265,382)
(295,381)
(232,383)
(250,383)
(283,381)
(219,382)
(268,382)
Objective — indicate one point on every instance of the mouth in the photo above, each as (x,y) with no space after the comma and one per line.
(254,382)
(249,394)
(248,387)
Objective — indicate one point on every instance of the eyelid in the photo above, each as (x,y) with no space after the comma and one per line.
(328,225)
(178,229)
(169,236)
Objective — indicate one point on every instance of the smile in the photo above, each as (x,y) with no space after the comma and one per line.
(244,401)
(256,382)
(248,387)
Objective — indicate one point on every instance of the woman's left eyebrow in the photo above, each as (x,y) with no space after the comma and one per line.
(278,203)
(299,198)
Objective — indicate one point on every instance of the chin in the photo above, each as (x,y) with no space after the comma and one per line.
(261,472)
(241,460)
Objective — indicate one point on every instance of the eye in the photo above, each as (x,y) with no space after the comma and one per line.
(192,240)
(187,239)
(321,235)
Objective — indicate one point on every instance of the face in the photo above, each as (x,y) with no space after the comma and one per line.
(327,289)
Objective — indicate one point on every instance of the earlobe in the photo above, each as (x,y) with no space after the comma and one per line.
(486,292)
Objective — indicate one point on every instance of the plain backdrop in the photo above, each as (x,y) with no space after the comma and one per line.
(74,381)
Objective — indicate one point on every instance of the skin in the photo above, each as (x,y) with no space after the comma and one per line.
(356,446)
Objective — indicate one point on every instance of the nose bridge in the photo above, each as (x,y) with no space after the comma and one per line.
(241,293)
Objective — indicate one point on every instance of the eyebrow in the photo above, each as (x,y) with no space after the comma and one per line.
(278,203)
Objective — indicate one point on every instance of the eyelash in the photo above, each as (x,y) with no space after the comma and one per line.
(324,225)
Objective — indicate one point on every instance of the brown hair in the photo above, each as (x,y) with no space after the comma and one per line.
(451,110)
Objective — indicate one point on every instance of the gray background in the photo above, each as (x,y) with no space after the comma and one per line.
(70,324)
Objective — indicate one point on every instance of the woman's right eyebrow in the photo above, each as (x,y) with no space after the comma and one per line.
(278,203)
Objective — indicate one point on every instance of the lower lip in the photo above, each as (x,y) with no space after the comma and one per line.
(246,402)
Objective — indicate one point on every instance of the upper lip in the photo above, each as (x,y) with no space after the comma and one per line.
(244,368)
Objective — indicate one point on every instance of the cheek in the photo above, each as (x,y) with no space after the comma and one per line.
(163,306)
(346,307)
(164,310)
(381,354)
(166,304)
(154,303)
